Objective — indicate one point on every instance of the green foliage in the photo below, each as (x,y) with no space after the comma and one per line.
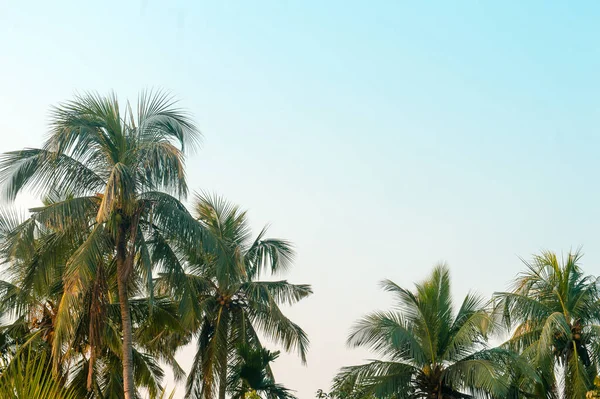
(28,376)
(34,306)
(112,275)
(427,348)
(111,178)
(349,392)
(250,375)
(221,299)
(594,393)
(554,310)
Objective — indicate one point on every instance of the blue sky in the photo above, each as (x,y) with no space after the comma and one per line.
(380,137)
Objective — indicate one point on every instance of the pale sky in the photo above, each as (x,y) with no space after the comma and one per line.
(381,137)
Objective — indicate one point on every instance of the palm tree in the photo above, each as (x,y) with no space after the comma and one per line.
(122,169)
(35,257)
(251,375)
(428,349)
(221,299)
(554,310)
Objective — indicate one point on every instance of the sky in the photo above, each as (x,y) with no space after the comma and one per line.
(380,137)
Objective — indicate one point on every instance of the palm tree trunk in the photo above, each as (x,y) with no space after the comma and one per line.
(223,374)
(128,386)
(90,376)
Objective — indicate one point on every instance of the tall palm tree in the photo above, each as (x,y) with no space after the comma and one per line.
(123,168)
(221,297)
(428,349)
(251,375)
(554,311)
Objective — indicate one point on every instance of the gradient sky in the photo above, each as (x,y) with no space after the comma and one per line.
(381,137)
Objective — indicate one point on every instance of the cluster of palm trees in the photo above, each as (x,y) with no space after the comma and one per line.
(113,274)
(430,349)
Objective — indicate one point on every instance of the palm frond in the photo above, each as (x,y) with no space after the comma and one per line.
(281,292)
(388,334)
(43,172)
(380,378)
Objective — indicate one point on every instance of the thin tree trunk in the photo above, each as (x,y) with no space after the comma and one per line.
(128,385)
(96,324)
(223,374)
(90,376)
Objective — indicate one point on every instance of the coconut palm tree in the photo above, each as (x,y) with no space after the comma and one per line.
(34,257)
(553,310)
(251,375)
(222,300)
(124,168)
(428,349)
